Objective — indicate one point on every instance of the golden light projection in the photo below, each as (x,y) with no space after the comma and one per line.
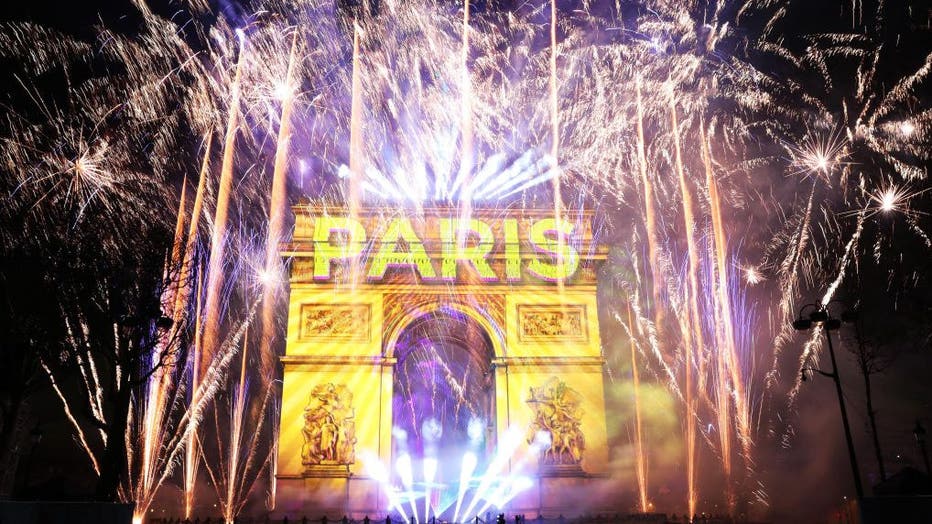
(437,366)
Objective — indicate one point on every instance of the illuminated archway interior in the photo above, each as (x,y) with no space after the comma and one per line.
(444,397)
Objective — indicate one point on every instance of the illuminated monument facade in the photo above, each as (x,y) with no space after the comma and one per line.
(414,339)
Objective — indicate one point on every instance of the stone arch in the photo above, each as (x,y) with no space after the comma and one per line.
(350,331)
(411,314)
(443,372)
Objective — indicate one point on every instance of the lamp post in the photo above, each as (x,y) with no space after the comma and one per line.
(920,433)
(866,362)
(821,318)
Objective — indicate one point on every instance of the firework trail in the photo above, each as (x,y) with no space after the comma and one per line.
(79,429)
(555,118)
(809,354)
(730,381)
(239,463)
(218,239)
(640,457)
(189,423)
(356,154)
(789,278)
(386,78)
(466,132)
(236,434)
(187,257)
(272,274)
(157,397)
(182,303)
(650,217)
(208,339)
(191,450)
(694,325)
(152,423)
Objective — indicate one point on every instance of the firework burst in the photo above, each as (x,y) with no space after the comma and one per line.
(733,161)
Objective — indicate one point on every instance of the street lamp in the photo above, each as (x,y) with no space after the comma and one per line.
(820,318)
(920,433)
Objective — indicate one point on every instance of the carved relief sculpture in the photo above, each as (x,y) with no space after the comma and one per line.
(557,424)
(552,323)
(329,427)
(340,321)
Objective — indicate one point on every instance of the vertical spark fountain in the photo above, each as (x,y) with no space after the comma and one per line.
(191,451)
(356,166)
(238,418)
(174,282)
(159,387)
(466,132)
(693,328)
(273,273)
(650,214)
(555,134)
(184,295)
(356,160)
(277,211)
(218,240)
(728,364)
(722,399)
(555,116)
(466,123)
(640,459)
(555,128)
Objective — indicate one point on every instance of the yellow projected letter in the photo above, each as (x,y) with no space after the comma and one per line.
(558,248)
(326,252)
(390,253)
(453,253)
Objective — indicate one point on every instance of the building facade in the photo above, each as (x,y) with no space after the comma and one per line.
(416,338)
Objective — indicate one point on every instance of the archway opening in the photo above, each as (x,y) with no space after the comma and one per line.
(443,409)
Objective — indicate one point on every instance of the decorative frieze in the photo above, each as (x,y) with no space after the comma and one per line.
(552,323)
(346,322)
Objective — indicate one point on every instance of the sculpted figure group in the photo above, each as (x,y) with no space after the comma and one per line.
(557,414)
(329,427)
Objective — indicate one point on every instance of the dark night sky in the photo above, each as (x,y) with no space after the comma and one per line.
(803,483)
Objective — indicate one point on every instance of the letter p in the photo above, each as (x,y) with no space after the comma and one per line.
(325,251)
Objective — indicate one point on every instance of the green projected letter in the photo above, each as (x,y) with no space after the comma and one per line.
(512,251)
(390,253)
(552,240)
(454,251)
(325,252)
